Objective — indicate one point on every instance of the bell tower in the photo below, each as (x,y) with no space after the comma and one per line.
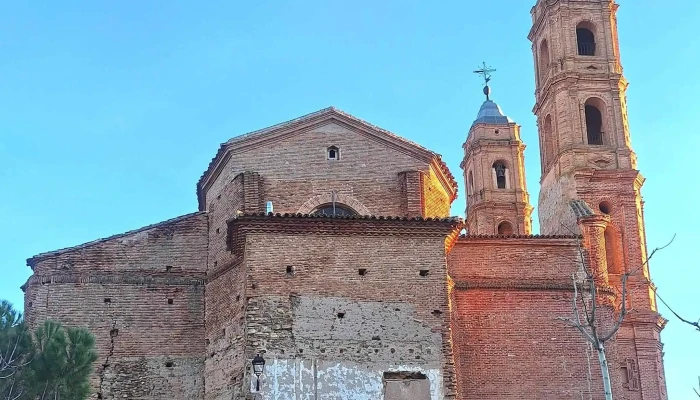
(580,107)
(586,154)
(494,173)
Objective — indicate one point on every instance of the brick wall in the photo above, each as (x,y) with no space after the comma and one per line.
(309,301)
(436,200)
(296,169)
(141,295)
(225,291)
(509,344)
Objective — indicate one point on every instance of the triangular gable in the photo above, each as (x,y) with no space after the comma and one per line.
(315,120)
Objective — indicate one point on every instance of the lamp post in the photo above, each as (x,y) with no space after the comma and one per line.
(258,367)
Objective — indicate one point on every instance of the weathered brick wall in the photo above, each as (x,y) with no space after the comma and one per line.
(296,169)
(225,291)
(351,327)
(141,295)
(508,341)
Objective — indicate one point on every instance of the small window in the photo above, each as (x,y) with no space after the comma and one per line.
(500,169)
(333,153)
(585,39)
(505,228)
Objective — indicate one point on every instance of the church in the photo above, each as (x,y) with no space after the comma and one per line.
(324,247)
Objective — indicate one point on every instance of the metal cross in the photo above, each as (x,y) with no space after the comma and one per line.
(485,71)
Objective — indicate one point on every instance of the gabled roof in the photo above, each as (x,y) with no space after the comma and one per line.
(313,120)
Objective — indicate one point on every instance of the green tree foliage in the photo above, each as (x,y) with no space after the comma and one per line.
(53,363)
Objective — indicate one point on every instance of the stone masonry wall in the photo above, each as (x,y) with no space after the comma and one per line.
(142,295)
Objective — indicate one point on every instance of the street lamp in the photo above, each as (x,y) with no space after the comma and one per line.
(258,367)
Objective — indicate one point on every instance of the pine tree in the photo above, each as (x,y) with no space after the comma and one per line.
(54,363)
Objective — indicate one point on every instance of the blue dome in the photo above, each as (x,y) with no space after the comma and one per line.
(490,113)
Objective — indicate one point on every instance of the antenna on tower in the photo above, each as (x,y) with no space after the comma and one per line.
(485,71)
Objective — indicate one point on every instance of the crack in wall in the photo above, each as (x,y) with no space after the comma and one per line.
(113,332)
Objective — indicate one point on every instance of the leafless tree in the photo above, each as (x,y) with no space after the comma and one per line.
(585,306)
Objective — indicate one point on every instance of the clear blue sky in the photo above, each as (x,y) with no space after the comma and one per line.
(110,111)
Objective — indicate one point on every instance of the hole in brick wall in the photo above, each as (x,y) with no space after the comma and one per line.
(99,395)
(253,286)
(393,351)
(375,338)
(362,271)
(206,342)
(341,315)
(114,332)
(218,197)
(410,351)
(290,270)
(169,364)
(108,300)
(29,304)
(217,230)
(496,131)
(170,301)
(168,268)
(301,351)
(216,263)
(605,207)
(376,350)
(281,351)
(238,297)
(436,312)
(323,350)
(342,351)
(424,272)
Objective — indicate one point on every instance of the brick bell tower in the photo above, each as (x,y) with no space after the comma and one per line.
(586,154)
(494,173)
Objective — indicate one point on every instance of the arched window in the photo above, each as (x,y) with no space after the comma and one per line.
(505,228)
(334,209)
(470,190)
(544,61)
(333,153)
(613,250)
(499,169)
(548,141)
(585,38)
(594,121)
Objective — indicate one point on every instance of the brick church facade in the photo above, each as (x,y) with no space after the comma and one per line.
(360,285)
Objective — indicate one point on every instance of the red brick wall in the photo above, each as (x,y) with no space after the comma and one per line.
(119,289)
(508,341)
